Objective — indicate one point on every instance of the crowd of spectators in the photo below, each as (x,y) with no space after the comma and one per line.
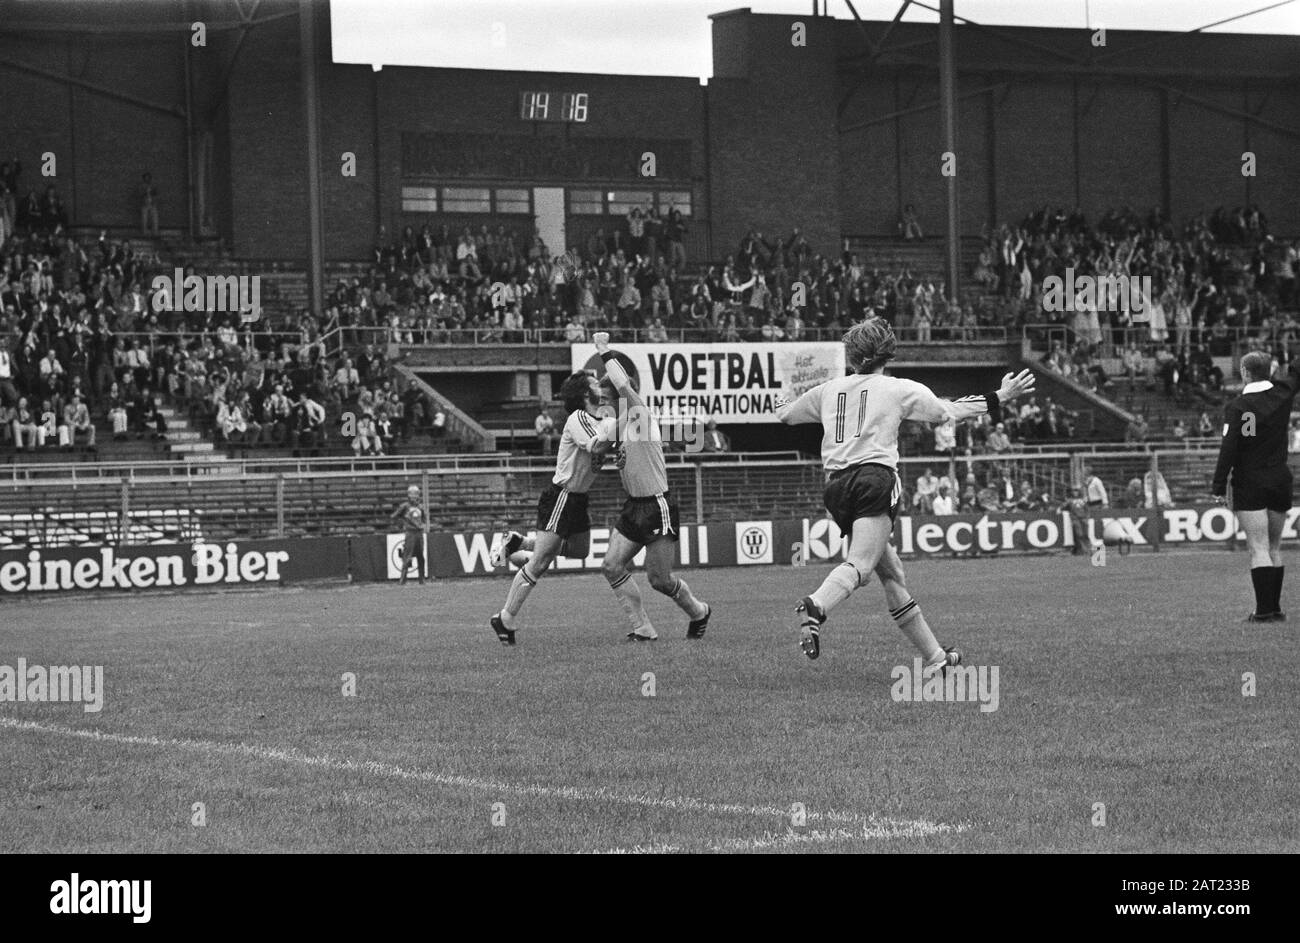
(423,286)
(81,344)
(1221,274)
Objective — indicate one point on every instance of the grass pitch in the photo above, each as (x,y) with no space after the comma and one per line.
(1120,685)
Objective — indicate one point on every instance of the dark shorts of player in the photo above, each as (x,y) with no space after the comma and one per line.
(868,490)
(563,513)
(412,545)
(645,520)
(1269,490)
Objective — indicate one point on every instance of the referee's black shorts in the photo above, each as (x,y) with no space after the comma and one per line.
(563,513)
(1268,489)
(868,490)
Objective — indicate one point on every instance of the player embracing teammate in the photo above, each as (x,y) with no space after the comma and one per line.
(860,415)
(563,523)
(650,517)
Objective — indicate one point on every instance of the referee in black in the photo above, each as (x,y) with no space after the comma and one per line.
(1254,451)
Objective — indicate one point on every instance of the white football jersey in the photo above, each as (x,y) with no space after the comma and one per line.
(860,415)
(574,468)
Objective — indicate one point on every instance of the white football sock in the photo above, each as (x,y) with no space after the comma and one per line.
(686,601)
(838,586)
(629,597)
(912,622)
(519,589)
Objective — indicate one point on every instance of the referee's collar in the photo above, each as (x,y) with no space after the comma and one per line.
(1258,386)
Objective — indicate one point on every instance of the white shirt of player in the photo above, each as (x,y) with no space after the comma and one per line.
(574,468)
(860,415)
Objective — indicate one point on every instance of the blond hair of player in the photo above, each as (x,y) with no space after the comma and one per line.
(860,415)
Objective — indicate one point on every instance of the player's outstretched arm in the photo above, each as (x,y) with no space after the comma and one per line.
(921,403)
(806,408)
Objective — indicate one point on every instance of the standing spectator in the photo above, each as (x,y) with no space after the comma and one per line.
(411,511)
(1095,490)
(148,205)
(438,429)
(675,232)
(8,392)
(1077,508)
(1156,491)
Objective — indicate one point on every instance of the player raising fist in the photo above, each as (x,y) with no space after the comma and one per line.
(650,517)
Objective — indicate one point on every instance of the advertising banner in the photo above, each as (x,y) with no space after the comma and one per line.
(720,381)
(197,565)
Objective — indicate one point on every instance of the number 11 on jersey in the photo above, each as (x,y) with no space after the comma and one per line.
(841,407)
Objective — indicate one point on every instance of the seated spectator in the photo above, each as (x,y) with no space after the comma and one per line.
(24,426)
(715,441)
(384,430)
(998,441)
(544,427)
(656,333)
(942,505)
(233,423)
(1179,431)
(367,441)
(77,422)
(1029,499)
(438,428)
(308,422)
(927,486)
(47,426)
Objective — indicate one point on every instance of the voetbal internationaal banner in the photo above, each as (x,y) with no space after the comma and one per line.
(720,381)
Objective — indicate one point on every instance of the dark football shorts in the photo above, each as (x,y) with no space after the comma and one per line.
(1270,490)
(645,520)
(868,490)
(563,513)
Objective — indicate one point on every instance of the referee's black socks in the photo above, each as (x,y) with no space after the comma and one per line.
(1267,581)
(1261,577)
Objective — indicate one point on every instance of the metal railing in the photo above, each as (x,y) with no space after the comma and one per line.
(279,498)
(497,337)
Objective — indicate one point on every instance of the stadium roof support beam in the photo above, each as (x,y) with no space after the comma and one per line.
(311,105)
(223,87)
(948,123)
(1127,50)
(875,50)
(101,29)
(95,87)
(921,109)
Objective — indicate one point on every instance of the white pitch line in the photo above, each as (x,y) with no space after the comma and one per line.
(894,827)
(882,829)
